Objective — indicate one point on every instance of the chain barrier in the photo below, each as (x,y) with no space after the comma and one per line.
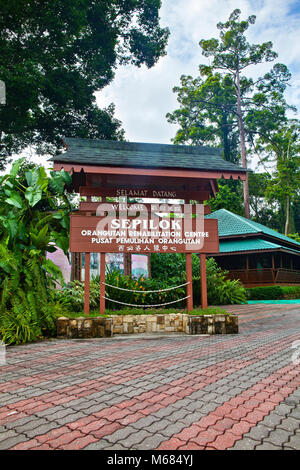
(146,291)
(146,306)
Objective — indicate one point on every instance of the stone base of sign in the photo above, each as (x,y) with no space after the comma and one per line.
(84,327)
(99,327)
(213,324)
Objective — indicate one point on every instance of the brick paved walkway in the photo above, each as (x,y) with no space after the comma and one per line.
(175,392)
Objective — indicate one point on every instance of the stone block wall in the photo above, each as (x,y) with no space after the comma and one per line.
(128,324)
(84,327)
(213,324)
(100,327)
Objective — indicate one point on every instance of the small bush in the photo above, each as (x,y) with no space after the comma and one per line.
(273,292)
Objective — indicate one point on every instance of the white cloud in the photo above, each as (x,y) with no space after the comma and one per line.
(143,97)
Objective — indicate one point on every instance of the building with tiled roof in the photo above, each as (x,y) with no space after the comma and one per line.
(254,253)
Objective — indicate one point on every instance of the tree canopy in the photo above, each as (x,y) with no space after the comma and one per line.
(247,117)
(54,55)
(226,108)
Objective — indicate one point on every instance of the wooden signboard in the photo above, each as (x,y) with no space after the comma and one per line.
(93,206)
(145,193)
(130,236)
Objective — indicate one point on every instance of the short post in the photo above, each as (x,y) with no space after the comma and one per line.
(189,279)
(87,283)
(102,283)
(203,280)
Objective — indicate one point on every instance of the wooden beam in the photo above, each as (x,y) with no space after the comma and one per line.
(176,173)
(189,279)
(214,186)
(149,265)
(127,264)
(102,285)
(76,267)
(87,283)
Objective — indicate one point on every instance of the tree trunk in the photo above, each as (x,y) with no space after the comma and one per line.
(226,145)
(243,145)
(287,217)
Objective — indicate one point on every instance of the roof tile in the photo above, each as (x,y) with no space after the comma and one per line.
(233,224)
(137,154)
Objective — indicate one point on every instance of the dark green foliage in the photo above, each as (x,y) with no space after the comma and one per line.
(54,56)
(167,265)
(273,292)
(207,113)
(228,197)
(27,277)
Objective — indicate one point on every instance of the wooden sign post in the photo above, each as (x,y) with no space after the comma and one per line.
(102,283)
(151,229)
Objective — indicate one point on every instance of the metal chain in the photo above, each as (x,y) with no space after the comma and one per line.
(146,291)
(156,305)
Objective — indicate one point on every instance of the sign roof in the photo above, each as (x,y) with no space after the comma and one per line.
(144,155)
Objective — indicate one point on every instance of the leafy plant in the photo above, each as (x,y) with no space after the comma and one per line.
(28,228)
(133,290)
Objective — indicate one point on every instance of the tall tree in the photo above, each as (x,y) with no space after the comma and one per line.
(284,146)
(222,107)
(207,113)
(54,55)
(231,55)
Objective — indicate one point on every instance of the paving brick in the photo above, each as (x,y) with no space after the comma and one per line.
(158,426)
(244,444)
(150,443)
(173,444)
(79,443)
(272,420)
(258,433)
(69,418)
(172,428)
(6,434)
(206,437)
(289,424)
(295,413)
(30,425)
(41,429)
(283,410)
(12,441)
(192,417)
(267,446)
(120,434)
(293,443)
(278,436)
(135,438)
(166,367)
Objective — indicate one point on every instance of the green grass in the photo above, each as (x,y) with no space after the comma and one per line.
(152,311)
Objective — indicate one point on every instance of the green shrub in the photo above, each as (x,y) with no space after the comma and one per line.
(221,291)
(291,292)
(231,292)
(30,224)
(273,292)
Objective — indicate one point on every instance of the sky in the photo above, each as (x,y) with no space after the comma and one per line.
(144,96)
